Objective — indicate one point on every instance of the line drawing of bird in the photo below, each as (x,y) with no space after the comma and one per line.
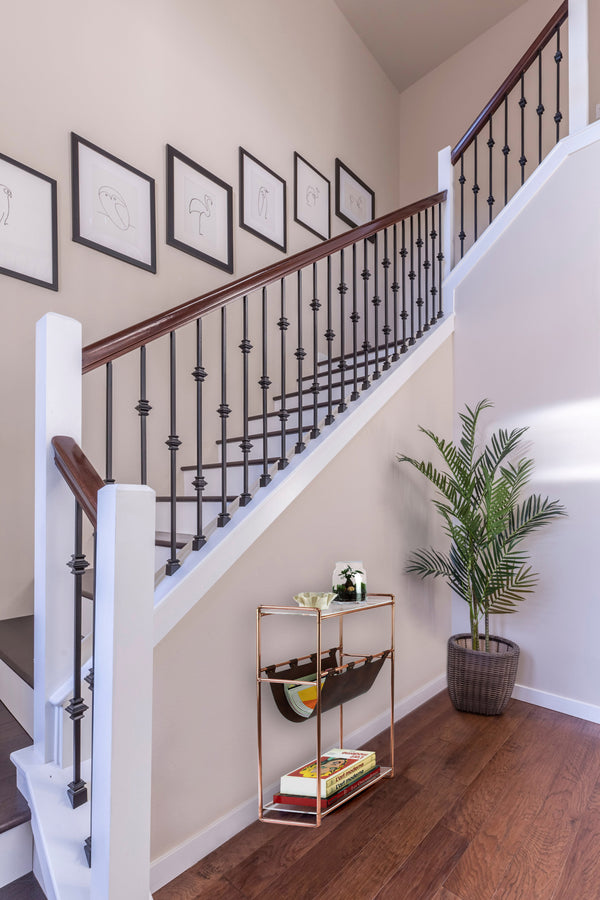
(263,202)
(5,195)
(312,195)
(202,208)
(114,207)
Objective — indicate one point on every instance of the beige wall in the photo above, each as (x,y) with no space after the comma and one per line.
(364,506)
(205,77)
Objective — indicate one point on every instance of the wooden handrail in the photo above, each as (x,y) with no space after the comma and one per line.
(509,83)
(79,473)
(109,348)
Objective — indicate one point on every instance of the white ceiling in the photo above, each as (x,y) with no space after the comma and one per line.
(411,37)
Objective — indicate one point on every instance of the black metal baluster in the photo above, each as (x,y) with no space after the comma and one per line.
(109,424)
(540,106)
(329,336)
(143,408)
(411,277)
(283,415)
(557,59)
(426,267)
(246,443)
(404,313)
(419,270)
(433,235)
(475,189)
(440,258)
(376,303)
(355,319)
(77,790)
(522,104)
(265,383)
(386,263)
(300,355)
(490,200)
(342,289)
(173,443)
(365,275)
(395,289)
(315,306)
(199,482)
(223,410)
(461,181)
(89,679)
(506,150)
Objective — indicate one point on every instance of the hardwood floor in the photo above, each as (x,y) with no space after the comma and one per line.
(499,808)
(13,808)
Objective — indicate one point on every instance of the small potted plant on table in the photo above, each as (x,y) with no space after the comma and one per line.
(479,501)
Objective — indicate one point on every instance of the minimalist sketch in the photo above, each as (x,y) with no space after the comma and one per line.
(202,208)
(263,202)
(114,207)
(357,203)
(312,195)
(5,195)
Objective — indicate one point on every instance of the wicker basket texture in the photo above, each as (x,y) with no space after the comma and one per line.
(480,682)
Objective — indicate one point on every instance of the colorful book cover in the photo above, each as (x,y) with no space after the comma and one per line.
(338,768)
(303,698)
(327,802)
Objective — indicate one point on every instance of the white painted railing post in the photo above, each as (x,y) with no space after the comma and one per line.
(579,76)
(446,183)
(123,656)
(57,411)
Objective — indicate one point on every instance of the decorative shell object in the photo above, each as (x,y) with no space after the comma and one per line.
(314,599)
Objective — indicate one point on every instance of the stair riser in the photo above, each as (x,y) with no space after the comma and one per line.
(186,520)
(235,480)
(234,451)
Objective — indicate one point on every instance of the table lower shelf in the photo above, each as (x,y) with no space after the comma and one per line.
(286,814)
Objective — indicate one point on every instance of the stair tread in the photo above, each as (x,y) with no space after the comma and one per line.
(24,888)
(13,806)
(207,499)
(259,435)
(16,646)
(163,539)
(232,462)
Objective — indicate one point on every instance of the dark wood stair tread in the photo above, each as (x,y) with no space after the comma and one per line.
(207,499)
(259,437)
(25,888)
(231,462)
(13,807)
(16,646)
(163,539)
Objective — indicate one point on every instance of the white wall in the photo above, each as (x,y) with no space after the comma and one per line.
(528,337)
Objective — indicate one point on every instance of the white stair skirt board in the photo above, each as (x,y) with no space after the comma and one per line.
(17,696)
(16,853)
(172,864)
(58,830)
(176,595)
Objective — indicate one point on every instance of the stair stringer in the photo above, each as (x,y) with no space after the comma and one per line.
(175,596)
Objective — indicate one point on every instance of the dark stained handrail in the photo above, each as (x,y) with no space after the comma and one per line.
(80,475)
(509,83)
(115,345)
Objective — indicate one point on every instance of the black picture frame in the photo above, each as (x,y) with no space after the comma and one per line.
(113,205)
(312,198)
(354,200)
(263,203)
(215,204)
(28,209)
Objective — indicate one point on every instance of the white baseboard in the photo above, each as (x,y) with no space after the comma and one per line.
(176,861)
(566,705)
(17,696)
(16,853)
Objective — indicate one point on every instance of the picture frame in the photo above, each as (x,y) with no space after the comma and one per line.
(199,211)
(28,224)
(262,201)
(312,198)
(113,205)
(354,200)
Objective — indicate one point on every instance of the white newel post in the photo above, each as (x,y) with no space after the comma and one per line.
(446,183)
(579,76)
(57,411)
(123,656)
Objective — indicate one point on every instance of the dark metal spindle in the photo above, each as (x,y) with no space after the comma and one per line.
(475,189)
(395,289)
(557,59)
(89,679)
(283,414)
(199,482)
(426,267)
(365,275)
(506,150)
(411,277)
(376,302)
(404,313)
(540,106)
(77,790)
(440,258)
(109,424)
(173,443)
(419,270)
(433,236)
(522,104)
(223,410)
(386,263)
(143,408)
(355,319)
(300,355)
(461,181)
(342,289)
(245,444)
(265,383)
(329,336)
(315,306)
(490,200)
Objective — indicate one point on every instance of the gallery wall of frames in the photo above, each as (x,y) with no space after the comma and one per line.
(114,209)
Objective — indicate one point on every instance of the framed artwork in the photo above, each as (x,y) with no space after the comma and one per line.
(354,200)
(199,211)
(312,202)
(28,224)
(262,201)
(113,205)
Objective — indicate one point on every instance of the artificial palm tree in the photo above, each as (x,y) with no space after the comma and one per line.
(485,519)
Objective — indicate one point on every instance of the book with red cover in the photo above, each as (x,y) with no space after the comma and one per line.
(338,768)
(326,802)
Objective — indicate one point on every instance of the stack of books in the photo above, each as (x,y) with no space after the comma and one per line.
(343,773)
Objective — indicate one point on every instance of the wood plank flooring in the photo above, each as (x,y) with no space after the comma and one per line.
(499,808)
(13,807)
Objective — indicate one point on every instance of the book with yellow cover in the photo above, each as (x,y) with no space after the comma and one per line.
(338,768)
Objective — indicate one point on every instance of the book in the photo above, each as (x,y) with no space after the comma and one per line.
(338,768)
(327,802)
(303,698)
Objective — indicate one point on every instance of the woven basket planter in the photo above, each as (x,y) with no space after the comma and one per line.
(481,682)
